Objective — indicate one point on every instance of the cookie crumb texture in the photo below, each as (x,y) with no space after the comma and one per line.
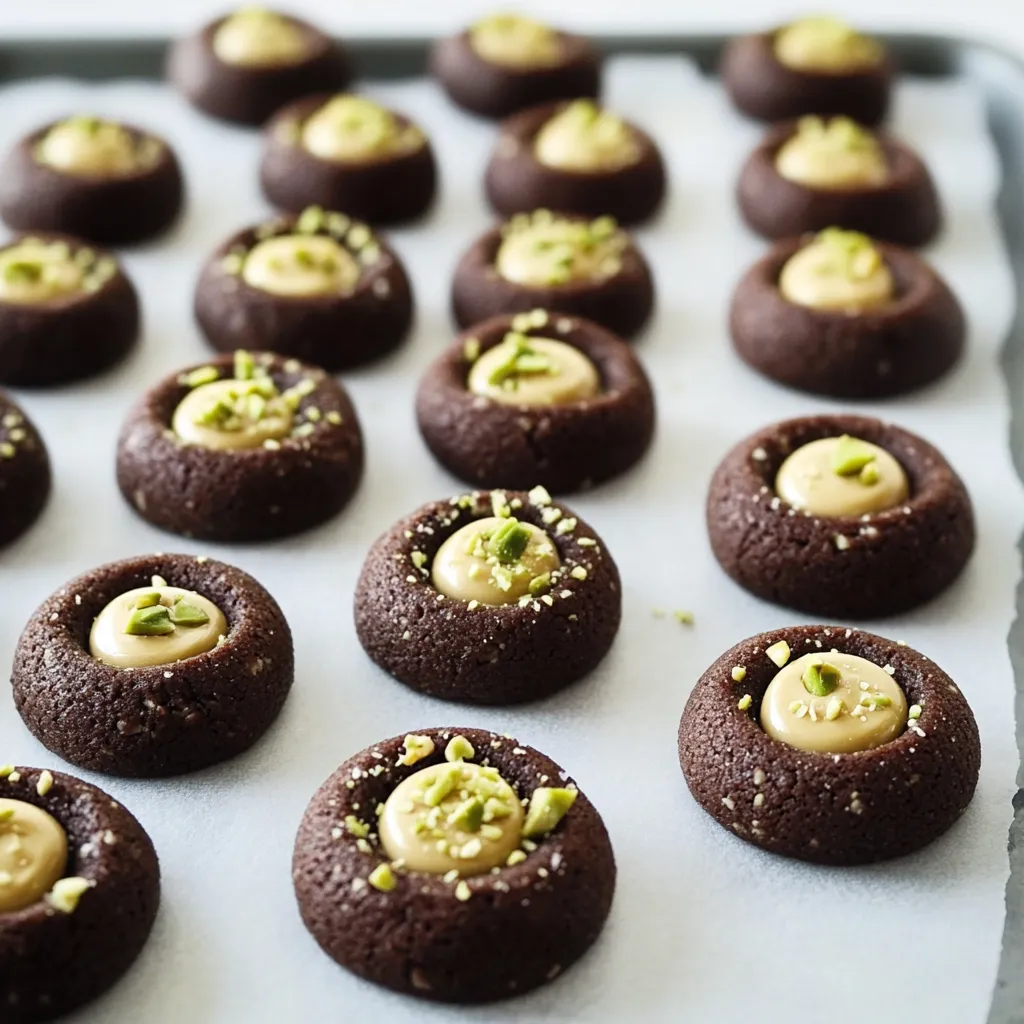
(488,654)
(518,928)
(24,472)
(52,962)
(866,567)
(839,809)
(157,720)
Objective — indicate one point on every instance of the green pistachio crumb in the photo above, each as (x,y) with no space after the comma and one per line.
(154,621)
(869,475)
(509,541)
(686,618)
(382,878)
(469,815)
(245,365)
(851,456)
(357,828)
(415,749)
(66,893)
(443,784)
(471,350)
(540,583)
(914,712)
(463,891)
(739,673)
(578,573)
(147,600)
(310,221)
(878,700)
(184,613)
(546,809)
(820,678)
(459,749)
(834,709)
(744,702)
(419,559)
(515,857)
(202,375)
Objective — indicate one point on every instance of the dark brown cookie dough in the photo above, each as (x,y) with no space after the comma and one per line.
(856,567)
(483,938)
(829,808)
(904,210)
(564,447)
(876,353)
(68,336)
(762,87)
(487,654)
(260,493)
(250,93)
(336,332)
(391,188)
(24,472)
(156,720)
(109,209)
(621,302)
(494,90)
(517,181)
(57,954)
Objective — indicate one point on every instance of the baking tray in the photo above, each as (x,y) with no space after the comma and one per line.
(999,76)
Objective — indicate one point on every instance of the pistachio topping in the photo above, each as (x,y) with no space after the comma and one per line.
(459,749)
(832,155)
(301,266)
(415,748)
(34,271)
(837,704)
(841,476)
(583,138)
(382,878)
(515,41)
(93,148)
(258,38)
(778,652)
(828,46)
(841,271)
(155,625)
(542,250)
(353,129)
(33,853)
(494,561)
(67,892)
(547,808)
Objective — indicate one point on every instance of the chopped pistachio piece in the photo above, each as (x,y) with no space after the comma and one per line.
(444,783)
(153,621)
(914,712)
(739,673)
(355,827)
(416,748)
(245,365)
(821,679)
(539,496)
(547,808)
(851,456)
(382,878)
(459,749)
(202,375)
(509,541)
(778,653)
(66,893)
(147,600)
(469,815)
(878,700)
(463,891)
(516,857)
(540,583)
(869,475)
(834,709)
(744,702)
(184,613)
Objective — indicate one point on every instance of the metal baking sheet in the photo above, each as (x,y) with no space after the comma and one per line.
(704,927)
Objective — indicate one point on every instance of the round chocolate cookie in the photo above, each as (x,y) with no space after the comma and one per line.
(813,66)
(24,472)
(520,892)
(575,156)
(241,449)
(343,152)
(844,316)
(489,598)
(506,63)
(67,311)
(154,666)
(812,174)
(102,181)
(244,66)
(319,287)
(839,516)
(81,894)
(869,778)
(507,405)
(565,264)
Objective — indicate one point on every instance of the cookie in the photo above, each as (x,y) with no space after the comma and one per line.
(24,472)
(67,311)
(873,775)
(840,516)
(102,181)
(811,66)
(489,598)
(814,174)
(506,63)
(76,912)
(319,287)
(536,399)
(344,152)
(845,316)
(241,449)
(153,666)
(566,264)
(578,158)
(246,65)
(520,893)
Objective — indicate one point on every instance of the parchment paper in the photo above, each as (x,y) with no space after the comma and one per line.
(704,928)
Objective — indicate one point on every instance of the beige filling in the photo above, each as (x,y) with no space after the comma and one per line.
(826,45)
(546,251)
(808,481)
(837,154)
(584,138)
(438,837)
(534,371)
(228,415)
(33,272)
(90,147)
(866,709)
(301,266)
(110,644)
(839,271)
(33,854)
(464,568)
(255,37)
(516,42)
(350,129)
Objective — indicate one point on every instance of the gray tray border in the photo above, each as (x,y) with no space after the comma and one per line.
(1001,77)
